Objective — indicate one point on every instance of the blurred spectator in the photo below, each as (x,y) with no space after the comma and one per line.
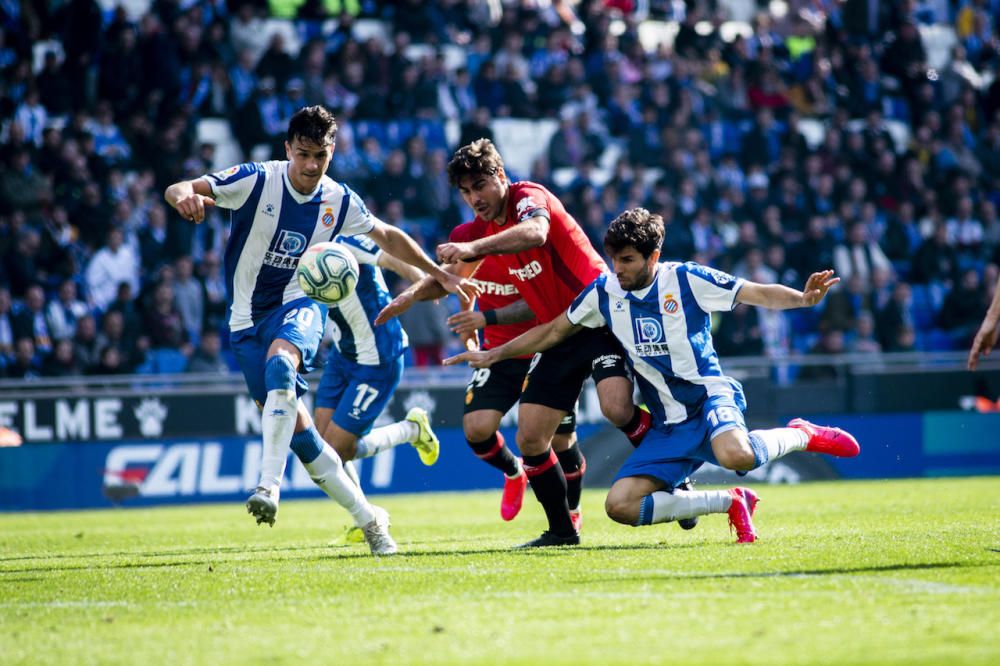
(425,325)
(963,309)
(830,342)
(86,344)
(189,297)
(863,340)
(29,320)
(740,334)
(208,357)
(130,352)
(6,325)
(63,312)
(859,254)
(62,362)
(163,320)
(26,364)
(110,266)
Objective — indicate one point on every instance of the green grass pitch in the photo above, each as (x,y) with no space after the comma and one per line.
(901,572)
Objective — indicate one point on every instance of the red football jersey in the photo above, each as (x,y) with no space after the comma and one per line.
(498,289)
(551,276)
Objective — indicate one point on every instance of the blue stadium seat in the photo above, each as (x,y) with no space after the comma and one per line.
(166,361)
(923,307)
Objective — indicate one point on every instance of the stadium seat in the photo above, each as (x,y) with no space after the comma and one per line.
(165,361)
(218,132)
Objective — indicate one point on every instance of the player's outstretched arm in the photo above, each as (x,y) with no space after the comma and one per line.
(400,245)
(425,289)
(533,232)
(469,321)
(189,198)
(400,267)
(780,297)
(986,338)
(537,339)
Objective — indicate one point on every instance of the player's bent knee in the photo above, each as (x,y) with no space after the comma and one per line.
(735,455)
(479,429)
(621,509)
(618,414)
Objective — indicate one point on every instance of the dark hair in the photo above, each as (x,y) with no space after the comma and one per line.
(313,123)
(479,158)
(636,227)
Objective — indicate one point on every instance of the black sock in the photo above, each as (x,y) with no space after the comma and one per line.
(573,466)
(493,452)
(549,484)
(638,426)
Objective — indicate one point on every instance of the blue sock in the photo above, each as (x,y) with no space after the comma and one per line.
(307,445)
(645,511)
(760,453)
(279,374)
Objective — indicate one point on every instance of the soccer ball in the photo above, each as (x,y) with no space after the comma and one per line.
(328,272)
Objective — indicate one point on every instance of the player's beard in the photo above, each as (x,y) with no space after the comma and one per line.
(640,281)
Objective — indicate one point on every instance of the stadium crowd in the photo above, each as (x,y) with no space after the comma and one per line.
(98,113)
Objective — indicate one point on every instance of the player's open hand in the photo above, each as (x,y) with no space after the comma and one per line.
(475,359)
(465,289)
(816,287)
(985,340)
(467,322)
(452,253)
(192,207)
(396,307)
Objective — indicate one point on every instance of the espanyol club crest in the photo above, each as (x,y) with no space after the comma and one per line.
(328,218)
(670,304)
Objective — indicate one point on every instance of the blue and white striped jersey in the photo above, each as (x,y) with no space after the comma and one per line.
(665,330)
(355,334)
(272,225)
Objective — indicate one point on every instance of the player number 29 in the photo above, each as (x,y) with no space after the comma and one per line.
(721,415)
(479,378)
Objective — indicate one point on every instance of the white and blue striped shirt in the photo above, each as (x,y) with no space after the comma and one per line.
(272,225)
(355,334)
(666,331)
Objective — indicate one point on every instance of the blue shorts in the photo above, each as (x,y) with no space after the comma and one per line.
(673,453)
(301,322)
(357,393)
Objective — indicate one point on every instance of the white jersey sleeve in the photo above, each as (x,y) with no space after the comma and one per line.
(358,220)
(586,308)
(362,247)
(233,186)
(714,290)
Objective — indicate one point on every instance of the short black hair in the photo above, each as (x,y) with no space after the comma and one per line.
(313,123)
(479,158)
(635,227)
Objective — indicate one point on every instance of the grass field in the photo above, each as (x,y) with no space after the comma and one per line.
(844,573)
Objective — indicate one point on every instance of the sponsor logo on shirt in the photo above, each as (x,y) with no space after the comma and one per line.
(495,288)
(649,337)
(619,305)
(285,250)
(269,210)
(525,273)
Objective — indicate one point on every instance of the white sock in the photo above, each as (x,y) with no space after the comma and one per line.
(386,437)
(327,471)
(277,428)
(682,504)
(781,441)
(352,472)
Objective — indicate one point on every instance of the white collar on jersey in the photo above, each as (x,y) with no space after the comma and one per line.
(614,288)
(298,196)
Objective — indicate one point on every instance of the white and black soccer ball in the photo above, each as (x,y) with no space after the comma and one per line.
(328,272)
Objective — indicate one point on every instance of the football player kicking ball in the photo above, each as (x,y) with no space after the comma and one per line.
(502,316)
(360,377)
(279,208)
(661,315)
(527,229)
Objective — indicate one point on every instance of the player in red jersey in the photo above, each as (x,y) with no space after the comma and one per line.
(543,248)
(503,315)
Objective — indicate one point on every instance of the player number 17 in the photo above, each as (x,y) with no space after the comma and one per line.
(366,394)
